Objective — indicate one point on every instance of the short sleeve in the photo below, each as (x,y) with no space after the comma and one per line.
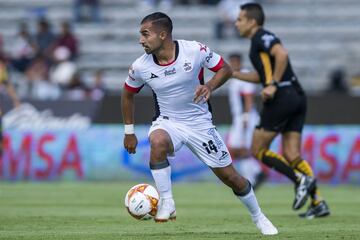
(133,82)
(266,41)
(210,59)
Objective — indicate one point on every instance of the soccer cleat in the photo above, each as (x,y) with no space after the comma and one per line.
(166,210)
(314,211)
(302,191)
(265,226)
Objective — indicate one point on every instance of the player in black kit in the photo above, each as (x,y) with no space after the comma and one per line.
(284,109)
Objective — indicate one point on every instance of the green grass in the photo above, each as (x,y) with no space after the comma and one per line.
(205,211)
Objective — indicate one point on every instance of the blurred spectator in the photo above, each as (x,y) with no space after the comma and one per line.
(39,86)
(91,9)
(150,5)
(228,12)
(98,89)
(44,38)
(67,39)
(64,70)
(38,69)
(22,50)
(337,82)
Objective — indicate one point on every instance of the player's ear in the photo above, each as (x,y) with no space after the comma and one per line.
(163,35)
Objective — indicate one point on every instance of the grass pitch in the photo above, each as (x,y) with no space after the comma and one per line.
(205,211)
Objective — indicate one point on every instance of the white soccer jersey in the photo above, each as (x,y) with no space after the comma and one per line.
(174,84)
(238,135)
(238,88)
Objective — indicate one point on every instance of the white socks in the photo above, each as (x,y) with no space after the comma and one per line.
(251,204)
(162,178)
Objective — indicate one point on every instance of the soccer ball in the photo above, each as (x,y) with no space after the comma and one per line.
(141,201)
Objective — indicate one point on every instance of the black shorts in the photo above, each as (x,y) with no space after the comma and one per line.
(286,112)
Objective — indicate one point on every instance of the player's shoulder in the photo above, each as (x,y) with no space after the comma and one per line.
(265,38)
(264,34)
(142,61)
(192,45)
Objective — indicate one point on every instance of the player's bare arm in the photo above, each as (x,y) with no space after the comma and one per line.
(127,107)
(281,60)
(203,92)
(252,77)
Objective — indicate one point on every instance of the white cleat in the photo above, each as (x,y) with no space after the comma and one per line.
(166,210)
(265,226)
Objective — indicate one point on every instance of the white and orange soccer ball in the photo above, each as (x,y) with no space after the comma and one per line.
(141,201)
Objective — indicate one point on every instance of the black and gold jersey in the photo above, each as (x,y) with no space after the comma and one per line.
(263,62)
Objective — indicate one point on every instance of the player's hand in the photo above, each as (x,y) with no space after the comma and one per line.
(268,92)
(202,93)
(130,143)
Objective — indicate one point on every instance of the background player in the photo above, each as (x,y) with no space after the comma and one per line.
(244,120)
(284,108)
(174,71)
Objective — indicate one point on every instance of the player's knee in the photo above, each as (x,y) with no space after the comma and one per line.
(159,144)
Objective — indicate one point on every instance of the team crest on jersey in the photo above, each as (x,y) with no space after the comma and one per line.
(187,66)
(267,38)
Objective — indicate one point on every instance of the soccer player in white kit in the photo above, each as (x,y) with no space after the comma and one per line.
(174,71)
(244,120)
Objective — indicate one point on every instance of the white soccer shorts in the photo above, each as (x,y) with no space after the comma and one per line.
(206,144)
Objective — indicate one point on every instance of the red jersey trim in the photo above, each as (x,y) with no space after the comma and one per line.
(218,66)
(132,89)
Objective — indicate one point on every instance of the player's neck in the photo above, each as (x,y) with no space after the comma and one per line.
(167,53)
(254,31)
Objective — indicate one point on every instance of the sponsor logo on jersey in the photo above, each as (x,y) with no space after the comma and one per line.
(187,66)
(209,57)
(267,38)
(170,72)
(131,78)
(131,71)
(153,76)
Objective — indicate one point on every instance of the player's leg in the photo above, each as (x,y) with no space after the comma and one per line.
(164,141)
(161,146)
(243,190)
(291,142)
(260,149)
(211,149)
(249,165)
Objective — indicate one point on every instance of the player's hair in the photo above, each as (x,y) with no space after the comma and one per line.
(159,19)
(254,11)
(237,56)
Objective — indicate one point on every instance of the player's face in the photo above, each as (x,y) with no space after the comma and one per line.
(149,38)
(243,24)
